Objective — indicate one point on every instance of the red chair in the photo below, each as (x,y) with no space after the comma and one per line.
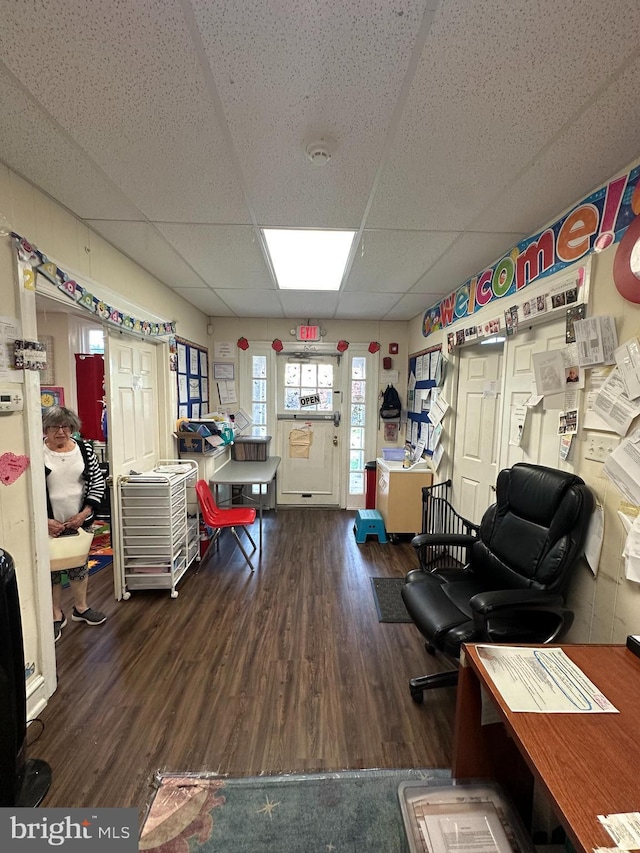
(217,519)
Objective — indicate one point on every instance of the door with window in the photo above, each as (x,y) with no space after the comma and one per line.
(309,431)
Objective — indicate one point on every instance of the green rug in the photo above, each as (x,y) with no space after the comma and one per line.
(343,812)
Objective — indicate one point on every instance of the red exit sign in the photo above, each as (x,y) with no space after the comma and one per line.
(308,333)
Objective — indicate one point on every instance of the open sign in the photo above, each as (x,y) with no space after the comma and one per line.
(311,400)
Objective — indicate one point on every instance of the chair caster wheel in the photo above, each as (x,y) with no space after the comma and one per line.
(417,695)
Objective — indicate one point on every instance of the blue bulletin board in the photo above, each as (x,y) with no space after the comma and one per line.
(426,368)
(193,379)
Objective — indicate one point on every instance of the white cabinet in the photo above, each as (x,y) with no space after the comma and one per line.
(399,495)
(158,526)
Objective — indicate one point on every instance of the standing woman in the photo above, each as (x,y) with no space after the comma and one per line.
(75,487)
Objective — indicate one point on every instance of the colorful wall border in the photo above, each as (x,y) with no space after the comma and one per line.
(591,226)
(29,255)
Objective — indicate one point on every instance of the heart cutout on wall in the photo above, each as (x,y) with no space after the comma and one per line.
(12,467)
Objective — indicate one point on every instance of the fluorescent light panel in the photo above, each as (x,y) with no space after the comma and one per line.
(307,259)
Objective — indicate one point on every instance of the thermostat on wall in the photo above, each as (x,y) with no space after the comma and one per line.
(10,400)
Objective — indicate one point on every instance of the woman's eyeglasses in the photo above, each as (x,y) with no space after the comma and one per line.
(63,427)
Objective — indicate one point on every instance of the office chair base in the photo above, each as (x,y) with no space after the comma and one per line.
(417,686)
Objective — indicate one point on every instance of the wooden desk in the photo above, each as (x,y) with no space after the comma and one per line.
(587,764)
(235,473)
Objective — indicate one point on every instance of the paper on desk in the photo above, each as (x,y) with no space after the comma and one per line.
(624,828)
(542,680)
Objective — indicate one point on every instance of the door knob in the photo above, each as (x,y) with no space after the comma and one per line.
(335,440)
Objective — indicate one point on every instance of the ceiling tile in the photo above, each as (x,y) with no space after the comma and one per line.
(395,260)
(461,261)
(132,94)
(411,305)
(578,162)
(226,256)
(35,147)
(318,305)
(252,303)
(291,73)
(354,306)
(139,240)
(496,83)
(207,301)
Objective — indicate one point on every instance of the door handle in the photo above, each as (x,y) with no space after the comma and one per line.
(335,440)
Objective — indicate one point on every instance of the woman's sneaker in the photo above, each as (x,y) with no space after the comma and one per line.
(58,625)
(90,616)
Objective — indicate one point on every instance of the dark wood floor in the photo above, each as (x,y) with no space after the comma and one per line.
(286,670)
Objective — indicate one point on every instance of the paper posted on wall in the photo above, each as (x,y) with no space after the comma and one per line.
(631,553)
(622,467)
(627,359)
(613,405)
(556,370)
(518,422)
(597,340)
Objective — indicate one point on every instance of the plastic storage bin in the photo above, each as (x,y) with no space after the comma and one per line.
(249,448)
(393,454)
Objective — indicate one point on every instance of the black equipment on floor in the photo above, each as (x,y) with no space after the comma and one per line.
(23,781)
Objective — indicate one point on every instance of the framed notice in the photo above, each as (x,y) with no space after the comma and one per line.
(192,379)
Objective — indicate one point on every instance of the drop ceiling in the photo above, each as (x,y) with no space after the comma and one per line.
(175,129)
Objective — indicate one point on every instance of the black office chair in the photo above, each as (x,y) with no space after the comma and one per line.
(518,566)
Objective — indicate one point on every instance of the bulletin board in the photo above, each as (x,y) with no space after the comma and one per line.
(425,374)
(193,379)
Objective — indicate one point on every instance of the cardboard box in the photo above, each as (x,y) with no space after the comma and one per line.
(191,442)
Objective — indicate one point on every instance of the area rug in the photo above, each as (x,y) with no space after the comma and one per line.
(343,812)
(101,538)
(389,603)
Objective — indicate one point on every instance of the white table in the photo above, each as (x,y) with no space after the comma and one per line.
(235,473)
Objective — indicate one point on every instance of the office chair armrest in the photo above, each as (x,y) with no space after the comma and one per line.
(520,615)
(486,603)
(426,540)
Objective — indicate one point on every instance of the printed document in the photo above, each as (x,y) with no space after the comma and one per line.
(622,467)
(542,680)
(613,404)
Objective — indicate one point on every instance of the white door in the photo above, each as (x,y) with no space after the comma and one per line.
(476,429)
(133,417)
(540,441)
(309,441)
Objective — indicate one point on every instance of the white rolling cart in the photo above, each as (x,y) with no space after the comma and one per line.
(158,521)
